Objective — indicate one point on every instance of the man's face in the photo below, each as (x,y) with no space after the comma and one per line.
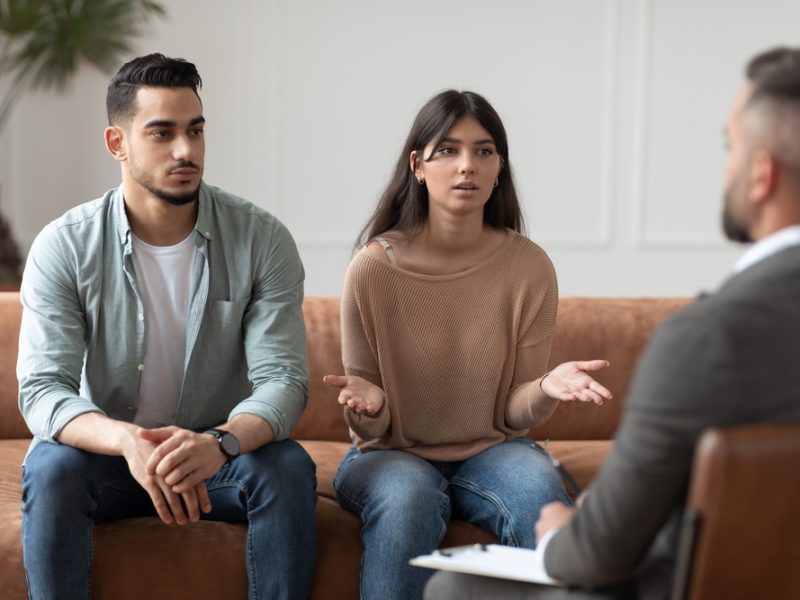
(164,143)
(737,211)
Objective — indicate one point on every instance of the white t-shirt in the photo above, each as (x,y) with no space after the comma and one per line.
(164,274)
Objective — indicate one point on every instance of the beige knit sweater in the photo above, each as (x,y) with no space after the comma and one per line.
(458,357)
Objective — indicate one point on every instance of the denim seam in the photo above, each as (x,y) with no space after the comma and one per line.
(494,499)
(347,497)
(90,540)
(251,571)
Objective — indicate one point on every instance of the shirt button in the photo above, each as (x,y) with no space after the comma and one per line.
(208,234)
(141,317)
(140,367)
(129,408)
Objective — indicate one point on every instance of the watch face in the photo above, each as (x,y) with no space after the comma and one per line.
(230,445)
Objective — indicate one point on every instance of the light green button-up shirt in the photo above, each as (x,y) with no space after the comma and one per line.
(82,339)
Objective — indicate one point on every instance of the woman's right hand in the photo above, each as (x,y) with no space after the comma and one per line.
(358,394)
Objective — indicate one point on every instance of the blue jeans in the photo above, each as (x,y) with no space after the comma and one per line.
(65,491)
(406,504)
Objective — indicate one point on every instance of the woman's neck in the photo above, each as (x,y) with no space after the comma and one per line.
(451,236)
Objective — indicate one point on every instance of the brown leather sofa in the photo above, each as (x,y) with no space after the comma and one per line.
(142,558)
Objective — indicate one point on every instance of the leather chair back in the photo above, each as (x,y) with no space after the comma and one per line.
(742,525)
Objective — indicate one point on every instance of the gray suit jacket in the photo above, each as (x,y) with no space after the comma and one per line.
(729,359)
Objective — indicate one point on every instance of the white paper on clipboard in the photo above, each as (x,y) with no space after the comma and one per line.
(491,560)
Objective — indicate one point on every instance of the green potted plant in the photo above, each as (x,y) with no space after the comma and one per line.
(42,45)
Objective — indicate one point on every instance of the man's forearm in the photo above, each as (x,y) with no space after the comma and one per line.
(251,431)
(95,432)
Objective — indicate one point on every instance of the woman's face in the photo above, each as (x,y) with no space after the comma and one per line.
(463,169)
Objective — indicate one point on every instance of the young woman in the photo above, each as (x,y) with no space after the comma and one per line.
(448,315)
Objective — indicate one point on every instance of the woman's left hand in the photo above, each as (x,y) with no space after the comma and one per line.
(570,381)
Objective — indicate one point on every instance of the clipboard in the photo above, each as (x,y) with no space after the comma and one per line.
(492,560)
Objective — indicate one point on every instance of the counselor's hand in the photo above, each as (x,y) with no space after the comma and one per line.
(553,515)
(358,394)
(570,381)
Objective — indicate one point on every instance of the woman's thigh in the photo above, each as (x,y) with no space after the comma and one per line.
(503,488)
(390,480)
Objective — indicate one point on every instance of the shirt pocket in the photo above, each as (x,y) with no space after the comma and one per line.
(224,336)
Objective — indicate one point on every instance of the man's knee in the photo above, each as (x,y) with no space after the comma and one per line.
(56,467)
(284,463)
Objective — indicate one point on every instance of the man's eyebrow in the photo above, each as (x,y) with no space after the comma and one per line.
(159,123)
(167,123)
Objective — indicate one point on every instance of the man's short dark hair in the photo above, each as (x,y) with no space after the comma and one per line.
(773,108)
(153,70)
(775,74)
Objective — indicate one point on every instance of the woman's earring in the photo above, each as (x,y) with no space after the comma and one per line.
(421,180)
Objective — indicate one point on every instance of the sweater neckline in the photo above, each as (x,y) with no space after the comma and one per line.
(511,235)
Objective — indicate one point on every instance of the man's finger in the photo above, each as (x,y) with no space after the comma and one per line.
(202,497)
(157,435)
(191,504)
(162,509)
(161,451)
(174,475)
(174,502)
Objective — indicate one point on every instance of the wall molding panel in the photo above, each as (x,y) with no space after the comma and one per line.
(613,110)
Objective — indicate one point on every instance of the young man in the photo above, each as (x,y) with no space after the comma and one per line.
(729,359)
(162,358)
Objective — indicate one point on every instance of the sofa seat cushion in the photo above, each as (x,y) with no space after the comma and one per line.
(12,580)
(581,458)
(126,550)
(327,456)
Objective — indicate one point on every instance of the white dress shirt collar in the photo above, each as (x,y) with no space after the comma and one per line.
(780,240)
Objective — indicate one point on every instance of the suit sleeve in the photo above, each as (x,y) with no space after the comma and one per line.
(679,389)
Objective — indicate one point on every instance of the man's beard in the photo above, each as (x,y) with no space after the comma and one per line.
(179,199)
(733,231)
(170,198)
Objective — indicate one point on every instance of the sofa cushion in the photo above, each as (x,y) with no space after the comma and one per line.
(11,424)
(12,581)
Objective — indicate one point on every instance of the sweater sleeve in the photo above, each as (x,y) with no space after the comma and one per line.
(359,355)
(527,405)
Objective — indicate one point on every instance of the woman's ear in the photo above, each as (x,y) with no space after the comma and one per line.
(115,142)
(414,165)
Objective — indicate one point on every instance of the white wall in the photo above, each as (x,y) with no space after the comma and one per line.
(614,111)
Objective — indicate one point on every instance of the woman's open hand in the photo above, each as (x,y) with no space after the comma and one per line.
(358,394)
(570,381)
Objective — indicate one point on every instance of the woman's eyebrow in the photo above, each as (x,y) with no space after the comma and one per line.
(475,143)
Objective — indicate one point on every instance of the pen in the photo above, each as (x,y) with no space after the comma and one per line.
(574,487)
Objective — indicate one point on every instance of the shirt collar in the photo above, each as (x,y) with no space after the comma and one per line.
(772,244)
(203,225)
(120,216)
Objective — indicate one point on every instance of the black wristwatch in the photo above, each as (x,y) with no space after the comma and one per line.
(228,444)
